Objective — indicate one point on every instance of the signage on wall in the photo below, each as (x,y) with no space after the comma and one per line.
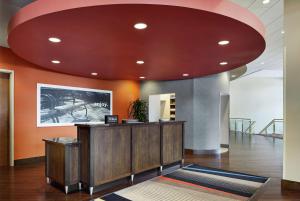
(66,106)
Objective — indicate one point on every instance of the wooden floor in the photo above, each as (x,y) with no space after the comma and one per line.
(256,155)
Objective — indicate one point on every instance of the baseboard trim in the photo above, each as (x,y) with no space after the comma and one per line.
(287,185)
(202,152)
(224,145)
(30,161)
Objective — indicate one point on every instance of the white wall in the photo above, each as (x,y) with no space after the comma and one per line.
(291,159)
(258,98)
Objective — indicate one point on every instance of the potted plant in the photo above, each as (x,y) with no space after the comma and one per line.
(138,109)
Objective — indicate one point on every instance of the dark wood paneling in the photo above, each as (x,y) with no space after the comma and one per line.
(145,147)
(62,164)
(55,162)
(111,152)
(84,150)
(72,165)
(4,119)
(172,143)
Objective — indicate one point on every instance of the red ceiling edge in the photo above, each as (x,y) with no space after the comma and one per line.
(222,7)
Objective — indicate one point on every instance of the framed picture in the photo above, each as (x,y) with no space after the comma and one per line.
(66,106)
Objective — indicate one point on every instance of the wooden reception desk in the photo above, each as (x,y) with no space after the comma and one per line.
(111,152)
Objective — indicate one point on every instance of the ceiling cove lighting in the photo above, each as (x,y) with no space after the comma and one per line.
(94,74)
(54,40)
(223,63)
(142,77)
(185,75)
(140,62)
(55,62)
(224,42)
(140,26)
(266,1)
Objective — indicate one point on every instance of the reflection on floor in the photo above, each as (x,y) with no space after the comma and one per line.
(255,155)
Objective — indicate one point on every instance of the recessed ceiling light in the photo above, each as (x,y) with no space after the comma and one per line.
(282,32)
(55,62)
(140,25)
(233,75)
(140,62)
(224,42)
(223,63)
(142,77)
(94,74)
(266,1)
(54,40)
(185,75)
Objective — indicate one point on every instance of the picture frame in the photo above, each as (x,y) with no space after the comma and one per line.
(59,105)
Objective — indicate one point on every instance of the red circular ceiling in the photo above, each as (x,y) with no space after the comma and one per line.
(98,36)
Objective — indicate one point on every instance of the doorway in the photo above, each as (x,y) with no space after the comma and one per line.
(6,118)
(162,107)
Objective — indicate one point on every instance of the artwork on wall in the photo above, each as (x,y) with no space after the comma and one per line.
(66,106)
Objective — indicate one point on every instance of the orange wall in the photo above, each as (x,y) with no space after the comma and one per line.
(28,138)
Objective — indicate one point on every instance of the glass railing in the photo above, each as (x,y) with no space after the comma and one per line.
(274,128)
(241,125)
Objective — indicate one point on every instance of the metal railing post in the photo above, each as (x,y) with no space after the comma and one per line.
(242,127)
(234,126)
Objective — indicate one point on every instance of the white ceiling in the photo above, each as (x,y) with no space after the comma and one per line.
(271,15)
(7,9)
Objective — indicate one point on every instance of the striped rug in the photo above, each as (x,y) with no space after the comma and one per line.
(193,183)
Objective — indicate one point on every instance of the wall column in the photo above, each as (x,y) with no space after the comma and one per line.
(291,159)
(198,103)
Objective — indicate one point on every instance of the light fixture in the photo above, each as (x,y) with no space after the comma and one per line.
(94,74)
(266,1)
(142,77)
(140,25)
(55,62)
(233,76)
(185,75)
(223,63)
(282,32)
(224,42)
(140,62)
(54,40)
